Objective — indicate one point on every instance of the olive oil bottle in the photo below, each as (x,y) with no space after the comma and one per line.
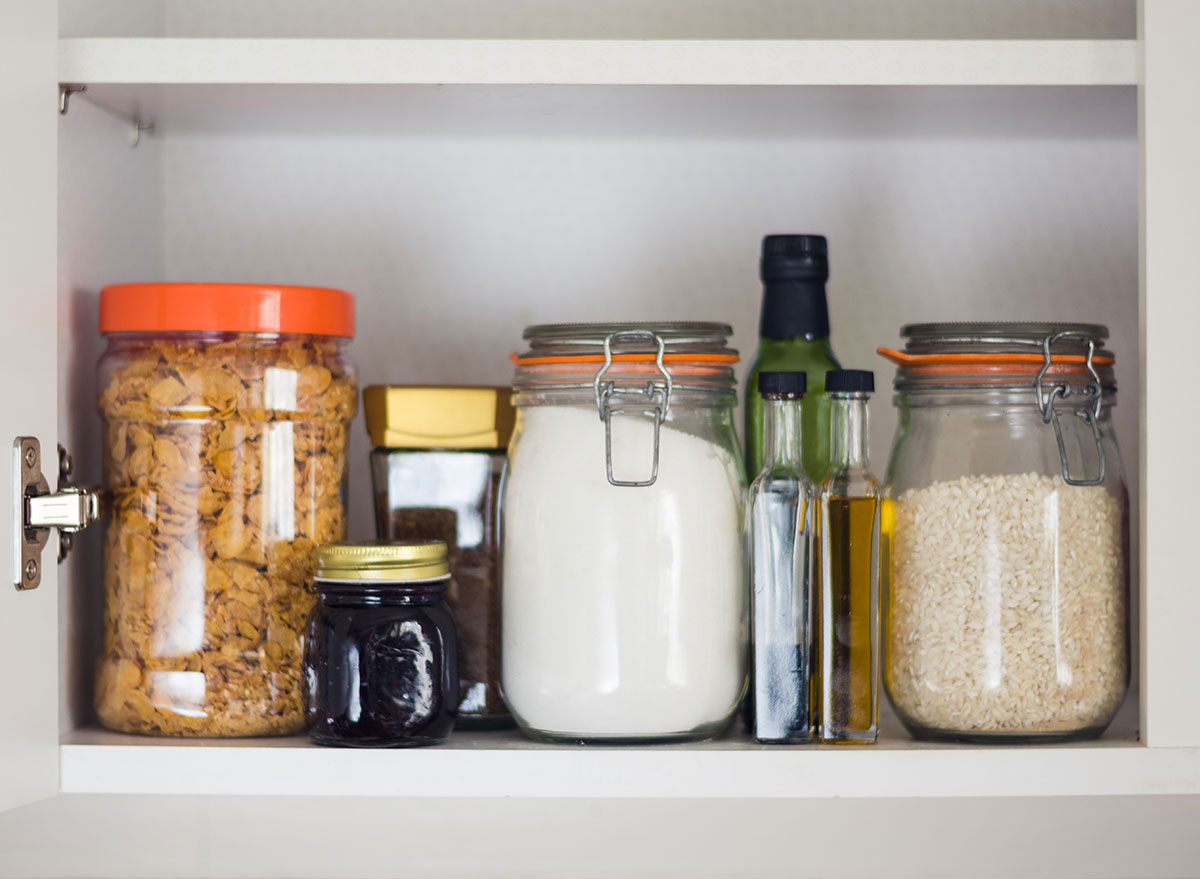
(793,337)
(845,678)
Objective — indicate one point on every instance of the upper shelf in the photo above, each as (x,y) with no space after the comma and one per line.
(169,61)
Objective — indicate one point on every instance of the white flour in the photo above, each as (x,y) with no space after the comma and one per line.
(625,609)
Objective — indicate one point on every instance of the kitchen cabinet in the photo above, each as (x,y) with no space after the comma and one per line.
(467,170)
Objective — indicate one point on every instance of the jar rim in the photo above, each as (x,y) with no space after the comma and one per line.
(575,356)
(353,586)
(374,562)
(998,331)
(674,333)
(1002,354)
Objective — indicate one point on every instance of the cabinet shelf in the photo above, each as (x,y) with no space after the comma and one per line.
(506,765)
(172,61)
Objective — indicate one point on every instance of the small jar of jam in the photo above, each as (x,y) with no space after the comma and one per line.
(382,661)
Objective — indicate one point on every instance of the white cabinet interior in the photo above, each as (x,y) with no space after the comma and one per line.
(458,214)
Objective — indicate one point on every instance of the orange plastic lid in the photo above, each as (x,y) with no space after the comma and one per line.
(226,308)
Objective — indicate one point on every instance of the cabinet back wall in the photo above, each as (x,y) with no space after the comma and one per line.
(458,216)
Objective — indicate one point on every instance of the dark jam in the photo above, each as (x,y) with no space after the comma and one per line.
(382,665)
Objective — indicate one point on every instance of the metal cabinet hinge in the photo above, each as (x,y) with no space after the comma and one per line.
(36,510)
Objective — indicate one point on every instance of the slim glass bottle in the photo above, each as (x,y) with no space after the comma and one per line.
(794,337)
(781,519)
(846,679)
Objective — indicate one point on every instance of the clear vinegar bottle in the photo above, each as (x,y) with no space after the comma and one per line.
(781,526)
(845,680)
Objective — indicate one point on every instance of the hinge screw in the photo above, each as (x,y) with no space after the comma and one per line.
(31,570)
(30,456)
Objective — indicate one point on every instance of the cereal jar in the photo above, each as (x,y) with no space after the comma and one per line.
(226,413)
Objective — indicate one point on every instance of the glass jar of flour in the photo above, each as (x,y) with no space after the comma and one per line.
(625,609)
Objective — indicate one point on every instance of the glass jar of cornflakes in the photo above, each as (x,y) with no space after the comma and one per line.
(226,413)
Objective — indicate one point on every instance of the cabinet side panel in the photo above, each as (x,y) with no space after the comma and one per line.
(109,222)
(28,642)
(1170,131)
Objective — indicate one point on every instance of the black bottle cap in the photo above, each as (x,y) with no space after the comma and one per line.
(782,383)
(794,269)
(849,381)
(794,258)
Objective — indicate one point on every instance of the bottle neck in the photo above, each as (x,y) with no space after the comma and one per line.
(794,310)
(848,426)
(783,449)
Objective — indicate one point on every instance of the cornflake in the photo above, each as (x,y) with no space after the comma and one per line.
(226,462)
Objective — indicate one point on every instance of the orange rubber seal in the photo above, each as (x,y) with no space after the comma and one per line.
(987,362)
(622,358)
(226,308)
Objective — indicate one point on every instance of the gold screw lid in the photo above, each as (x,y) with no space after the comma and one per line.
(438,416)
(383,562)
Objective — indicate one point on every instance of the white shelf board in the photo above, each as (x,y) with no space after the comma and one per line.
(506,765)
(596,62)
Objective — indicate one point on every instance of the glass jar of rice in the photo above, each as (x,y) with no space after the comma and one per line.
(1006,534)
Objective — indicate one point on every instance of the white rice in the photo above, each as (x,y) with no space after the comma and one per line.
(1007,605)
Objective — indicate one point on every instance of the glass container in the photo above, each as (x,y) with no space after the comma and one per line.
(226,413)
(625,612)
(845,681)
(437,460)
(382,660)
(793,337)
(781,527)
(1006,532)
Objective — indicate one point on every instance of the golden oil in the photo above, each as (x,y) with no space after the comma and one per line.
(845,685)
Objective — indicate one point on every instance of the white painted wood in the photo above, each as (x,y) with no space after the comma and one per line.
(1170,191)
(923,225)
(166,837)
(599,62)
(28,388)
(604,19)
(507,765)
(486,208)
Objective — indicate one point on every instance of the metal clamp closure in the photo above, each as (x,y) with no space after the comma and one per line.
(652,398)
(1061,390)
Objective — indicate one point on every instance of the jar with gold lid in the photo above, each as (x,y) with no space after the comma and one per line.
(439,453)
(382,663)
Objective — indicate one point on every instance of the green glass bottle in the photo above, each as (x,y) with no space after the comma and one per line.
(794,337)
